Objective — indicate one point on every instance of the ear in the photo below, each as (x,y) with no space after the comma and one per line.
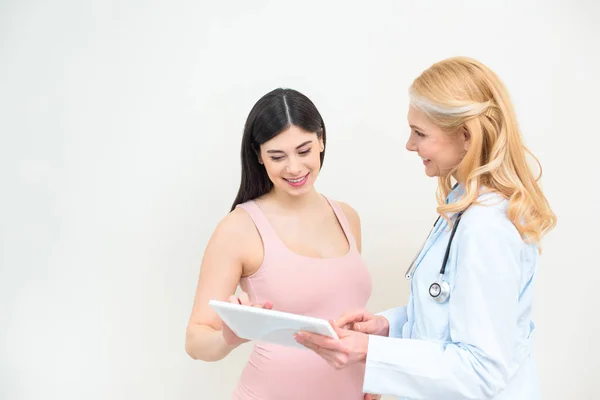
(260,160)
(322,145)
(467,139)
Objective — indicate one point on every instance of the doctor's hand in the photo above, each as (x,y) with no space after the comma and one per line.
(350,348)
(231,338)
(369,396)
(363,321)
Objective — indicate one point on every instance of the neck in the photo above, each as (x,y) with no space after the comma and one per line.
(455,176)
(295,203)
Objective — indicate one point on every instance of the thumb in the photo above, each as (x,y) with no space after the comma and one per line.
(366,326)
(341,332)
(348,319)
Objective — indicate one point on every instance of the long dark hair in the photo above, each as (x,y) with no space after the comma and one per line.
(272,114)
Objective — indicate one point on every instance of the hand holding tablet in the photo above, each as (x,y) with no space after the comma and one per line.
(271,326)
(230,337)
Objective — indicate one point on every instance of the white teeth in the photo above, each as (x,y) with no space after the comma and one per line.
(295,180)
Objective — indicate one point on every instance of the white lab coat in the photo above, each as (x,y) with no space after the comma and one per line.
(477,345)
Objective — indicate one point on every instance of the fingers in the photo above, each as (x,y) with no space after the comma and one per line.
(244,299)
(268,305)
(320,341)
(341,332)
(369,326)
(348,319)
(375,325)
(334,358)
(316,348)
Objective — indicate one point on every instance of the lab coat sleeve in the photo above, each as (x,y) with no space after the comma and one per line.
(397,318)
(479,359)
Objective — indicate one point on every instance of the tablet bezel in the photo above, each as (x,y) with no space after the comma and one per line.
(294,322)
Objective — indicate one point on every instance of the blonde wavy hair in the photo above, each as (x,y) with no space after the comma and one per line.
(461,94)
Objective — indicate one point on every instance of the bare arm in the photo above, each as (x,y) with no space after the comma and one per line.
(222,266)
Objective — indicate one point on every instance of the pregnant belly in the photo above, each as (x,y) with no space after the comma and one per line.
(276,372)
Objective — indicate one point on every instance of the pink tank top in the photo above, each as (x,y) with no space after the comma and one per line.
(317,287)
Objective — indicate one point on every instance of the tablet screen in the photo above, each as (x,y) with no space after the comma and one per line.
(271,326)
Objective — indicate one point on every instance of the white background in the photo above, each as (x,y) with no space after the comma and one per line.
(120,126)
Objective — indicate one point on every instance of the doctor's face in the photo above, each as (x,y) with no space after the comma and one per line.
(440,151)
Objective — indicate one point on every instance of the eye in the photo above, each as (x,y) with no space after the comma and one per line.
(419,134)
(304,152)
(277,158)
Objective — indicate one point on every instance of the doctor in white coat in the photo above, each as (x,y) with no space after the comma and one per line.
(466,332)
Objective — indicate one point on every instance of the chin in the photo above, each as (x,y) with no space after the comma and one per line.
(298,193)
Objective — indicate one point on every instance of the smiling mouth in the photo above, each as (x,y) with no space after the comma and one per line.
(297,180)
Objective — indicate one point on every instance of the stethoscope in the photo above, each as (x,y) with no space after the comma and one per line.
(439,290)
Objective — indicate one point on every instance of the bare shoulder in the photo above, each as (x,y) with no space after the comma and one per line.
(350,213)
(237,232)
(235,225)
(353,220)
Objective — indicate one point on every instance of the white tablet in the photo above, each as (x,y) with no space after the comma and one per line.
(269,326)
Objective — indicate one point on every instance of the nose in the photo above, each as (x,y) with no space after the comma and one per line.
(411,145)
(294,166)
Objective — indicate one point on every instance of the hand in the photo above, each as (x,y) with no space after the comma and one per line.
(370,396)
(363,321)
(231,338)
(350,348)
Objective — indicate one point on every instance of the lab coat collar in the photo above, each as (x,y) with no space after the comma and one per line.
(455,193)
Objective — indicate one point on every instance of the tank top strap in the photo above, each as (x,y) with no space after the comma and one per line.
(265,229)
(339,213)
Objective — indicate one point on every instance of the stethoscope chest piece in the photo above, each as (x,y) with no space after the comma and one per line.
(439,291)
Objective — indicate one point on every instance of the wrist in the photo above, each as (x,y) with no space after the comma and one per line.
(228,342)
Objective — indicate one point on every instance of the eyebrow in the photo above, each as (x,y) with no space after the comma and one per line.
(416,127)
(297,147)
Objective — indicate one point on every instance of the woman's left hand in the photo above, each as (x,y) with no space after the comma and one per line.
(350,348)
